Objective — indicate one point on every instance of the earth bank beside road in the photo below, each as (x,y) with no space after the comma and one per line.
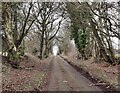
(29,77)
(102,75)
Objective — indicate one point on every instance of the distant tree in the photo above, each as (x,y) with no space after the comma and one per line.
(48,24)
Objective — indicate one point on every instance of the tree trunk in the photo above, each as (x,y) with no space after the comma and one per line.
(101,46)
(42,38)
(8,29)
(15,32)
(41,46)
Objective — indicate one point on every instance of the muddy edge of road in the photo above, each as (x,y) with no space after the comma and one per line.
(107,88)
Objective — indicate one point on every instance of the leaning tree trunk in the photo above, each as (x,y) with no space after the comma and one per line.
(101,46)
(7,25)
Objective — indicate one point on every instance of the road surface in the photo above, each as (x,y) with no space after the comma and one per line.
(65,78)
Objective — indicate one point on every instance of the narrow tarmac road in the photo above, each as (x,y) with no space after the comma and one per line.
(65,78)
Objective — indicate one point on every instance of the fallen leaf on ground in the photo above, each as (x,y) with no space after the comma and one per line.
(97,84)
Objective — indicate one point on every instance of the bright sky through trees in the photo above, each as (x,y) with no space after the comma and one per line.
(55,50)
